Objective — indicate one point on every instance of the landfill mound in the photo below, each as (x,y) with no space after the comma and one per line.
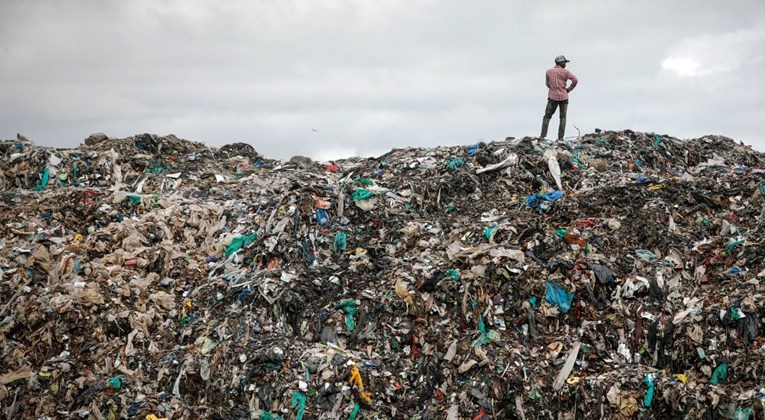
(615,276)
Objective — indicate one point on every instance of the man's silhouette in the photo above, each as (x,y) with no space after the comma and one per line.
(556,80)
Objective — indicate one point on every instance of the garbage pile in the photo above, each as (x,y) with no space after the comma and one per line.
(619,275)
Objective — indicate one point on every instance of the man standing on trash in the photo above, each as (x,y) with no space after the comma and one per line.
(556,80)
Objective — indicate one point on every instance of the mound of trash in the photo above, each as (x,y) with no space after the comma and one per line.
(619,275)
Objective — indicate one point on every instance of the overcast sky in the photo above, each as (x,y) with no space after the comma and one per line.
(370,75)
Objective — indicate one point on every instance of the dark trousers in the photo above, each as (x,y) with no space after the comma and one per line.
(549,111)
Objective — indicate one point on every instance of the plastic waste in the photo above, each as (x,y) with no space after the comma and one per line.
(44,180)
(348,307)
(117,381)
(238,242)
(554,166)
(603,273)
(322,219)
(541,202)
(558,296)
(455,163)
(720,374)
(446,323)
(299,400)
(649,381)
(742,413)
(362,194)
(645,254)
(340,243)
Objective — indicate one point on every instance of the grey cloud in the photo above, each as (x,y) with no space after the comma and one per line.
(372,75)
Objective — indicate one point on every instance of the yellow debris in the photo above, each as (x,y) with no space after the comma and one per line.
(186,305)
(356,378)
(365,397)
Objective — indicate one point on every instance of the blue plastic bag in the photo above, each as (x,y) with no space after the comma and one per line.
(558,296)
(321,217)
(540,202)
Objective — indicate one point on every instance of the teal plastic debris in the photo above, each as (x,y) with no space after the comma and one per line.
(340,243)
(267,415)
(730,246)
(486,335)
(240,241)
(735,313)
(656,141)
(558,296)
(363,181)
(533,302)
(117,382)
(355,412)
(44,181)
(454,163)
(561,233)
(720,374)
(649,380)
(742,413)
(362,194)
(298,400)
(762,188)
(134,200)
(348,306)
(489,232)
(454,274)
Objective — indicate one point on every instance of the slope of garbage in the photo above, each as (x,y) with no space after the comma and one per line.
(619,275)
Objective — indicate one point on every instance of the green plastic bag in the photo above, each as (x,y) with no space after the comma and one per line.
(298,400)
(720,374)
(348,306)
(117,381)
(134,200)
(486,335)
(44,182)
(489,231)
(649,380)
(729,247)
(362,194)
(240,241)
(341,242)
(453,274)
(455,163)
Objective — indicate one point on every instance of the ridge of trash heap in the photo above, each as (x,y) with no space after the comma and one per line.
(618,275)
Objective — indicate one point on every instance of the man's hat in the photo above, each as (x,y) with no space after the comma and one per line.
(561,59)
